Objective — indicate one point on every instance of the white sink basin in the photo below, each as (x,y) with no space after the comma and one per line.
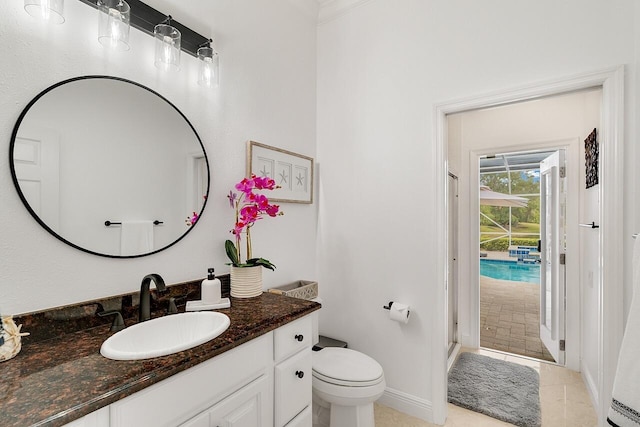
(164,335)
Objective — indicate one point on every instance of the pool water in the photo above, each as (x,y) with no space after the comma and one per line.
(510,270)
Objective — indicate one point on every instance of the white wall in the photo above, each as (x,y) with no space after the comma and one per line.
(267,94)
(381,69)
(632,190)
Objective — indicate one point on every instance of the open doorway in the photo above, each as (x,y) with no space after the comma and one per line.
(525,132)
(595,307)
(518,229)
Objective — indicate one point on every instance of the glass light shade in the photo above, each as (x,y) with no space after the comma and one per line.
(209,67)
(49,10)
(167,47)
(113,24)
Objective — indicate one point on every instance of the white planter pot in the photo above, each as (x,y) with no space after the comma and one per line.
(246,282)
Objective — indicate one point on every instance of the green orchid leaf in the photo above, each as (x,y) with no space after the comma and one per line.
(262,262)
(232,252)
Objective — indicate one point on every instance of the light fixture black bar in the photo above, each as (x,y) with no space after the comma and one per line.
(145,18)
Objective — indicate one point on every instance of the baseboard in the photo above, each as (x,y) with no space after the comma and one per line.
(408,404)
(592,389)
(453,355)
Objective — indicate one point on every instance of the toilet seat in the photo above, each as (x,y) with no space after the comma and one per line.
(346,367)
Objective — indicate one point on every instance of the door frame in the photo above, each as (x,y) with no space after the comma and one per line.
(610,318)
(452,276)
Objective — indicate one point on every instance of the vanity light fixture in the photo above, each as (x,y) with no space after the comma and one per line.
(208,76)
(171,36)
(48,10)
(113,23)
(167,45)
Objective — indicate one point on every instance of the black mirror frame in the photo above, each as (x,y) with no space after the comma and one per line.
(41,222)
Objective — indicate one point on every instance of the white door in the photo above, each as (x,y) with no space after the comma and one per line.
(552,271)
(36,157)
(197,182)
(452,276)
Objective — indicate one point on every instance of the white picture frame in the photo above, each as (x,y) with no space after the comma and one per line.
(292,172)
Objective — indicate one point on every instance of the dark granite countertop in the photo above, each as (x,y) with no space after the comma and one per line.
(60,376)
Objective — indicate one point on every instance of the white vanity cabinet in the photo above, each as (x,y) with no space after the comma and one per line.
(99,418)
(292,357)
(179,398)
(265,382)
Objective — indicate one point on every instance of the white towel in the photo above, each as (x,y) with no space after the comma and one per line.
(625,405)
(136,237)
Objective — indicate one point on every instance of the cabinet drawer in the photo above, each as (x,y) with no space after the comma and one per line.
(292,338)
(303,419)
(292,386)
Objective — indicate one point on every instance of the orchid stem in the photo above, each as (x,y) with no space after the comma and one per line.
(248,243)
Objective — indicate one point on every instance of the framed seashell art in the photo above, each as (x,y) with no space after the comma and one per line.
(10,338)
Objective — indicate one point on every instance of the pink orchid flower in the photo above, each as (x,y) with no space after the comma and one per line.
(246,186)
(232,198)
(272,210)
(250,207)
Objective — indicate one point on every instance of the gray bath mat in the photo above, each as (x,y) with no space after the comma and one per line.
(499,389)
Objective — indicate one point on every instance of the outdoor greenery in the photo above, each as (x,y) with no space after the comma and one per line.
(523,220)
(522,227)
(521,183)
(502,245)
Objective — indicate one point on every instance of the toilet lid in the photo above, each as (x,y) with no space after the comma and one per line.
(344,366)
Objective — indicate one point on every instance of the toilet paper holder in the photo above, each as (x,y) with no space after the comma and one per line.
(388,307)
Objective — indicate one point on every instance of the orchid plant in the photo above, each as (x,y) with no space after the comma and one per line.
(249,208)
(192,219)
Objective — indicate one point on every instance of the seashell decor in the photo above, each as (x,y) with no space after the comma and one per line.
(12,337)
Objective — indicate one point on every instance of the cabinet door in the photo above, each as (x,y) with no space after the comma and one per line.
(201,420)
(248,407)
(292,386)
(303,419)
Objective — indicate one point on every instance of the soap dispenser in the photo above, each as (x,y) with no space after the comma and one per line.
(211,289)
(210,295)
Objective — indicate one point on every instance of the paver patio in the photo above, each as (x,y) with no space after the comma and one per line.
(509,317)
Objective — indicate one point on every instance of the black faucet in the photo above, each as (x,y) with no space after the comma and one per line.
(144,312)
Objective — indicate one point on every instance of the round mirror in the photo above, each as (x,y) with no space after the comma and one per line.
(109,166)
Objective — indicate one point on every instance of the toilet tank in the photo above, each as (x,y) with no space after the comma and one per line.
(319,341)
(314,319)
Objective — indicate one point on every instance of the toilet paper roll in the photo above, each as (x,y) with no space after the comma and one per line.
(399,312)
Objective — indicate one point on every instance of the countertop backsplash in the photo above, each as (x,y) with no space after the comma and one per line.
(51,323)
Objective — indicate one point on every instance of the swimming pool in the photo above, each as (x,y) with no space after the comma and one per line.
(510,270)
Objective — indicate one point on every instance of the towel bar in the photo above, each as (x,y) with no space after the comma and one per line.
(592,225)
(108,223)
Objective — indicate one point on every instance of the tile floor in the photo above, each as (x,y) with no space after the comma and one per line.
(509,317)
(564,401)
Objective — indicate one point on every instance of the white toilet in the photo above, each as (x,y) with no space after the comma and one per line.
(345,385)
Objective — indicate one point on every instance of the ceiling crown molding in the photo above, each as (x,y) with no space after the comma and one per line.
(331,9)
